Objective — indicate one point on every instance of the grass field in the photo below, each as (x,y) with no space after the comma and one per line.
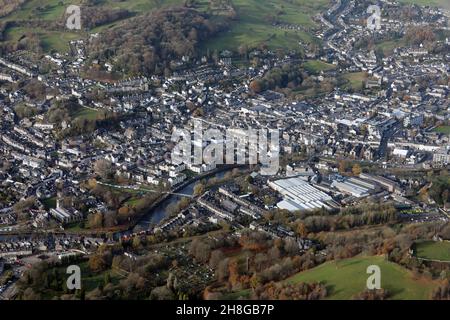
(86,113)
(89,280)
(434,3)
(355,80)
(51,10)
(316,66)
(443,129)
(433,250)
(388,46)
(50,40)
(253,28)
(346,278)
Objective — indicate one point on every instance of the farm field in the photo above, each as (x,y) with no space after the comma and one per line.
(253,27)
(433,250)
(348,277)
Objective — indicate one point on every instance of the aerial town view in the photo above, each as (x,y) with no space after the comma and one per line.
(237,150)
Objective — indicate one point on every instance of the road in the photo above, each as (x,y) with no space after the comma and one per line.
(387,135)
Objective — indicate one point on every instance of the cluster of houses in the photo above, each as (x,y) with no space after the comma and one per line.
(390,121)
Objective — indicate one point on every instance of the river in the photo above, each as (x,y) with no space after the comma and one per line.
(160,212)
(152,217)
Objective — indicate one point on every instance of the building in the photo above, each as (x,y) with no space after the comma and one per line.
(65,215)
(442,156)
(352,187)
(300,195)
(387,184)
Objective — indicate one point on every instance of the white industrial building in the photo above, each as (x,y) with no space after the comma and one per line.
(300,195)
(350,188)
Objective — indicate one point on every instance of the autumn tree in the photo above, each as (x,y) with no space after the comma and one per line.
(356,169)
(103,168)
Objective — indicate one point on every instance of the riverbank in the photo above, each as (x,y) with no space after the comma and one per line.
(146,215)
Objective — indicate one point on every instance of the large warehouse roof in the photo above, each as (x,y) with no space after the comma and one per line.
(299,195)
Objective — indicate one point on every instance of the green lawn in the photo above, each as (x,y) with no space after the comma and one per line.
(347,278)
(433,250)
(316,66)
(443,129)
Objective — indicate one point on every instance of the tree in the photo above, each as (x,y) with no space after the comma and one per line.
(95,220)
(103,168)
(256,86)
(97,263)
(343,165)
(199,189)
(216,257)
(356,169)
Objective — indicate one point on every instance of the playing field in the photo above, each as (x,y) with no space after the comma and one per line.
(433,250)
(346,278)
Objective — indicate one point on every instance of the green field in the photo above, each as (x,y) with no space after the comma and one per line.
(346,278)
(443,129)
(86,113)
(434,3)
(316,66)
(388,46)
(433,250)
(253,27)
(355,80)
(90,280)
(54,10)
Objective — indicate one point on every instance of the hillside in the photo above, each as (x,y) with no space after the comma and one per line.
(147,43)
(275,23)
(346,278)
